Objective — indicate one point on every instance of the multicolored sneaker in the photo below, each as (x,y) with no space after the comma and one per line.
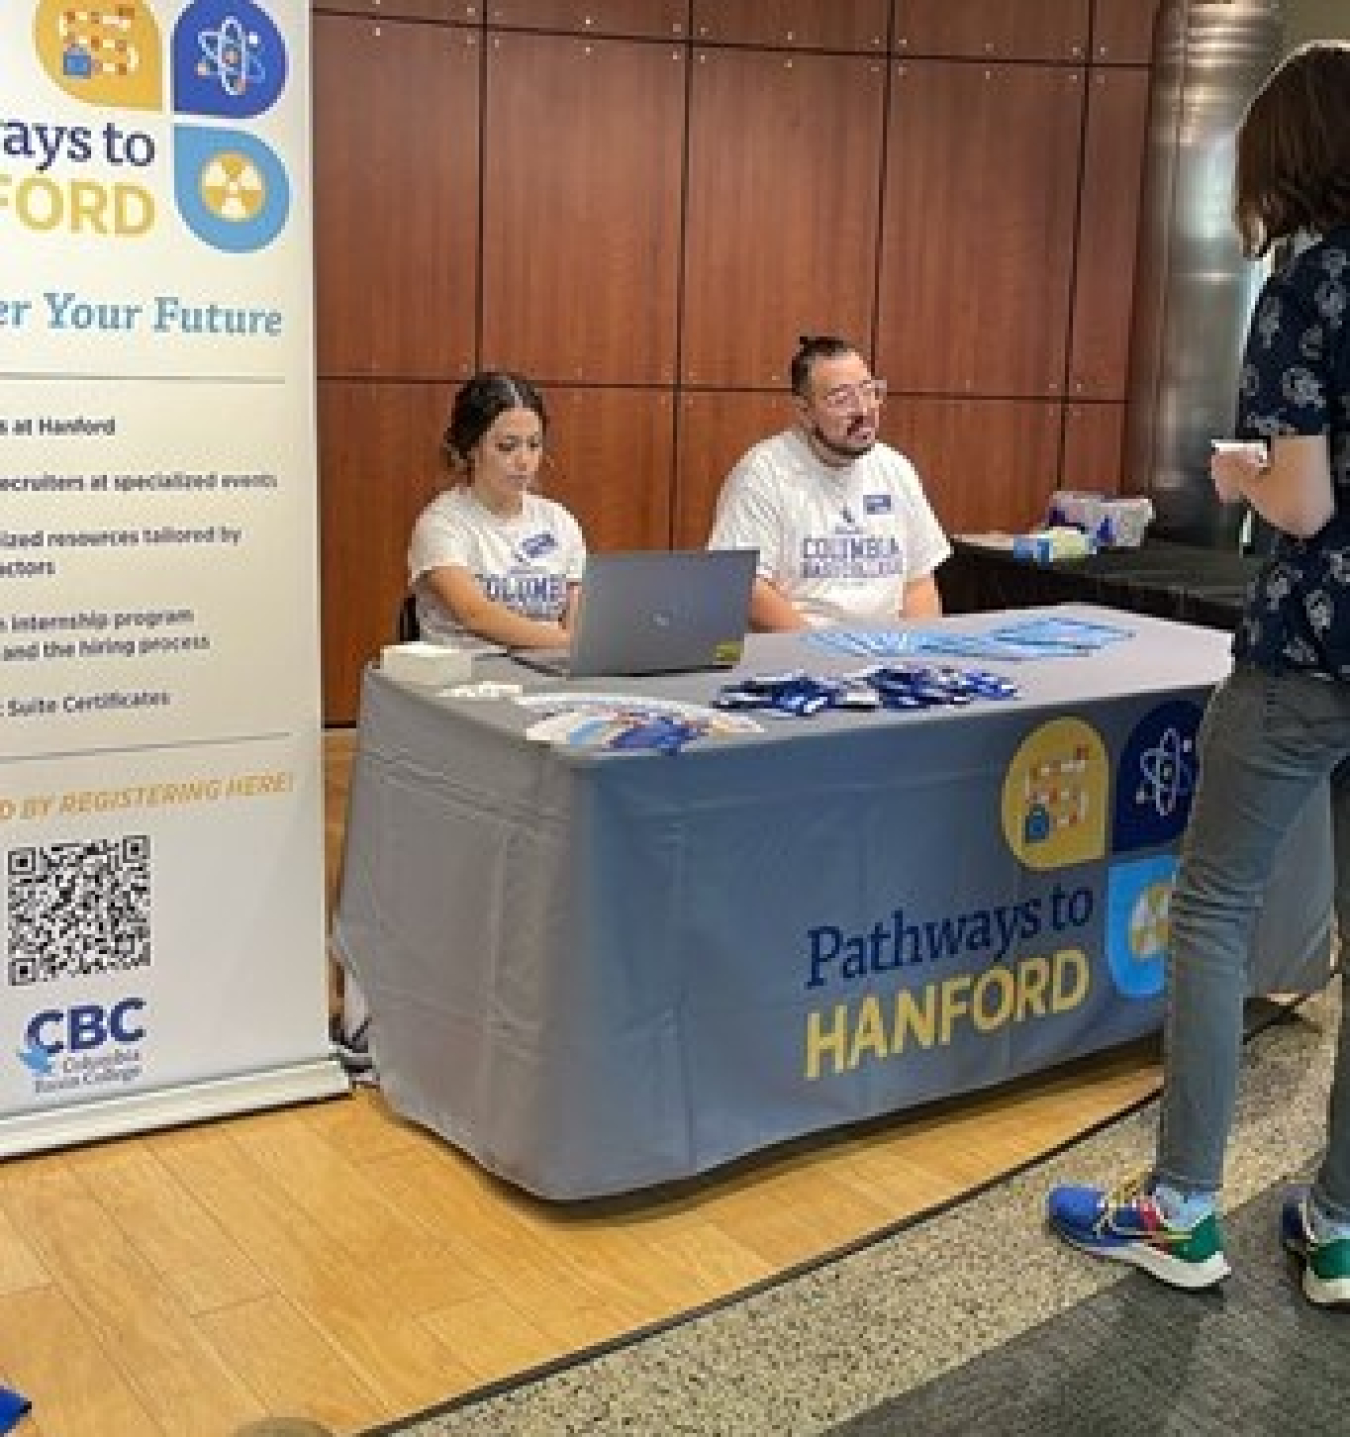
(1127,1225)
(1326,1265)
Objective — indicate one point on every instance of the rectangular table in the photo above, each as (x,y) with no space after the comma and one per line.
(1194,583)
(595,971)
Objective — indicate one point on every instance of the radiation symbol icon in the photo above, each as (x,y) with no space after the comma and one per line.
(232,187)
(1148,922)
(1138,924)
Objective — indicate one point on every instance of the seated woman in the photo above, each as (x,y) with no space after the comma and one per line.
(490,559)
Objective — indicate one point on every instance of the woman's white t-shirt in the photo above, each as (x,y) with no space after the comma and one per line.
(526,562)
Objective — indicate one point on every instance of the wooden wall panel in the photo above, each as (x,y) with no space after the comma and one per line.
(379,463)
(993,29)
(978,232)
(581,207)
(656,19)
(385,202)
(1122,31)
(714,431)
(445,12)
(664,214)
(985,463)
(1094,435)
(611,460)
(782,223)
(838,25)
(1107,232)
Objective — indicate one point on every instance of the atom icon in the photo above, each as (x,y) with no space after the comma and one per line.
(1167,773)
(227,53)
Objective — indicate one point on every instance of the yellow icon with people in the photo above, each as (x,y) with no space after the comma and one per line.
(104,52)
(1055,796)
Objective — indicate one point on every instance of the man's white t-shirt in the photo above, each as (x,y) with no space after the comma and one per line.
(840,543)
(526,562)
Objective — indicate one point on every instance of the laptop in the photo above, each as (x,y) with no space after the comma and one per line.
(655,611)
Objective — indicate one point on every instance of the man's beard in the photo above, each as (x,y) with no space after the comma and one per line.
(840,451)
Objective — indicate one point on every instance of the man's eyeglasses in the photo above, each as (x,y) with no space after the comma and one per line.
(844,397)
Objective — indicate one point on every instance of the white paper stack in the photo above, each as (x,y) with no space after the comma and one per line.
(427,664)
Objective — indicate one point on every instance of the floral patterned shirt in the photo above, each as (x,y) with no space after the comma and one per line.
(1295,379)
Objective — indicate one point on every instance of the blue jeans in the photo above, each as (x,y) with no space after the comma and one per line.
(1267,742)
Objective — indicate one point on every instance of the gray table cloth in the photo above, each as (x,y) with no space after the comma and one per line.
(595,971)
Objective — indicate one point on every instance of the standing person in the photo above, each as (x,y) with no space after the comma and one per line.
(489,558)
(1279,727)
(843,528)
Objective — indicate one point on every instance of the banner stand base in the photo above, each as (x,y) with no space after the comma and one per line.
(194,1102)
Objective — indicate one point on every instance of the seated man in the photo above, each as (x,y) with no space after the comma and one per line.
(844,531)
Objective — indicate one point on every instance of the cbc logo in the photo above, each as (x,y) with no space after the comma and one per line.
(86,1026)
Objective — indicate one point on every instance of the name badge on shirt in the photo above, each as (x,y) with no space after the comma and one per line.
(876,503)
(537,545)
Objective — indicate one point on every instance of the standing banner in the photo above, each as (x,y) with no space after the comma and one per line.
(161,791)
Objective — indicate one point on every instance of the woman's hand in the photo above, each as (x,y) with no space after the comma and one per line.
(1289,486)
(1234,465)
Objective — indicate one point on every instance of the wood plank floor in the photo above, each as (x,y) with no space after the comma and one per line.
(333,1262)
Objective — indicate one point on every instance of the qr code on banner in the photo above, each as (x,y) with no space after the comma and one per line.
(78,908)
